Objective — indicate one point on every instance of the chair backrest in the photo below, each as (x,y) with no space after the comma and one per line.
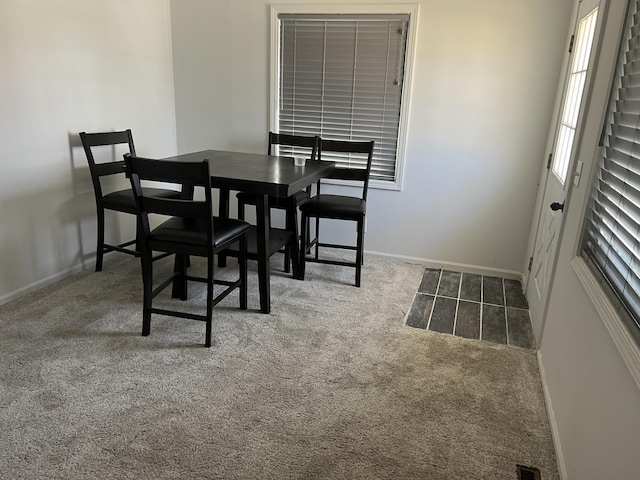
(308,142)
(91,140)
(360,173)
(197,213)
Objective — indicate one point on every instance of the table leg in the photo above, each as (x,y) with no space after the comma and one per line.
(179,288)
(262,233)
(223,211)
(292,226)
(181,262)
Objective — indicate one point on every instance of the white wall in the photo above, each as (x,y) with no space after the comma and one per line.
(69,66)
(593,394)
(484,88)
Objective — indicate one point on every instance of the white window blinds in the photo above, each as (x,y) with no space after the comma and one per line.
(341,77)
(611,239)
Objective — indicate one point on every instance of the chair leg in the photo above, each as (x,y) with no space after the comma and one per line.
(179,288)
(317,236)
(147,282)
(305,241)
(100,240)
(292,251)
(286,267)
(210,277)
(362,244)
(242,265)
(223,211)
(304,234)
(359,248)
(241,206)
(287,260)
(139,239)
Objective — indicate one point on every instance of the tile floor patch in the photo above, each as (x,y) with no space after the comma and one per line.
(430,279)
(420,311)
(443,315)
(449,284)
(472,306)
(514,297)
(471,288)
(468,320)
(492,290)
(494,324)
(519,328)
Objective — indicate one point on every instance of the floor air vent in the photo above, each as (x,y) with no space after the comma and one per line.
(528,473)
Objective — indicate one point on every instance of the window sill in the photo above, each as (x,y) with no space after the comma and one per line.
(623,340)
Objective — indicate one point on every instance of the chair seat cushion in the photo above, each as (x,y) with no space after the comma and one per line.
(274,202)
(335,206)
(123,200)
(194,232)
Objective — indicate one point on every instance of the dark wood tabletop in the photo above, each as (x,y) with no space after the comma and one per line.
(256,173)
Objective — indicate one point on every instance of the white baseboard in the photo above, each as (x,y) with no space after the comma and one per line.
(458,267)
(552,421)
(32,287)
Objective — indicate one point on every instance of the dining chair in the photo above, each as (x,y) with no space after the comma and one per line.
(339,207)
(99,145)
(191,230)
(298,145)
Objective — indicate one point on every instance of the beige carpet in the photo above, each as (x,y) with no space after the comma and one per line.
(330,385)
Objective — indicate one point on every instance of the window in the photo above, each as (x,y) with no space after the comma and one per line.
(344,75)
(573,96)
(611,238)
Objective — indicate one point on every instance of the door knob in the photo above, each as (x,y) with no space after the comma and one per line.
(555,206)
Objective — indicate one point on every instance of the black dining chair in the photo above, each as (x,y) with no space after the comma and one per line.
(118,200)
(295,145)
(339,207)
(191,230)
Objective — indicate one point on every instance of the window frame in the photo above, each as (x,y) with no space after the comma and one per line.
(609,307)
(610,126)
(409,9)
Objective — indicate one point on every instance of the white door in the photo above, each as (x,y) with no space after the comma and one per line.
(557,180)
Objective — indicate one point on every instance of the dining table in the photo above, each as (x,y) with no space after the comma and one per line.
(262,176)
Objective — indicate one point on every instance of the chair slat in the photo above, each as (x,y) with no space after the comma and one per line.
(162,171)
(354,174)
(102,139)
(111,168)
(175,207)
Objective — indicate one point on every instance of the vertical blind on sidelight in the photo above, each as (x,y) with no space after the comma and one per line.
(341,78)
(611,238)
